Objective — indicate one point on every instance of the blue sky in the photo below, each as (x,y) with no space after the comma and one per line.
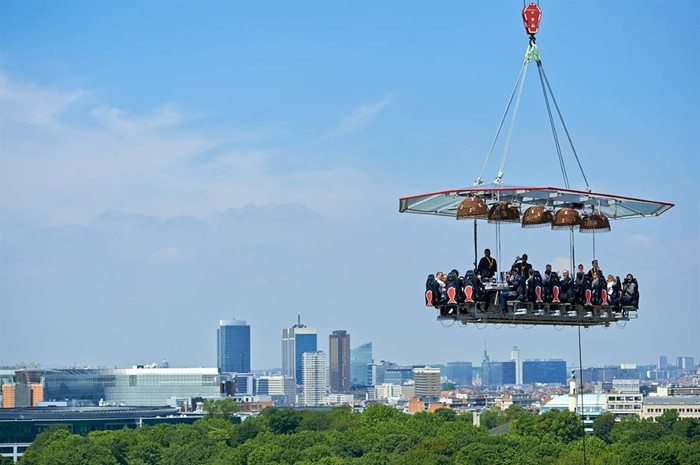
(165,165)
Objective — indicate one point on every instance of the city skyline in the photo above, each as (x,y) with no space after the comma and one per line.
(238,159)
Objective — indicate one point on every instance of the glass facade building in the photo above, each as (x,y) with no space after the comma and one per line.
(233,346)
(131,386)
(544,371)
(497,373)
(361,365)
(460,373)
(295,342)
(305,340)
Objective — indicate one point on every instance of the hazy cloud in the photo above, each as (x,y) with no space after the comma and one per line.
(640,239)
(170,254)
(120,122)
(362,116)
(29,104)
(152,163)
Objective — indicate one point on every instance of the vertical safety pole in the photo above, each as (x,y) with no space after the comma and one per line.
(476,250)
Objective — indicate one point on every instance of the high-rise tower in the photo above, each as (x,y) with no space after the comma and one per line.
(233,346)
(361,365)
(339,352)
(515,357)
(295,341)
(315,378)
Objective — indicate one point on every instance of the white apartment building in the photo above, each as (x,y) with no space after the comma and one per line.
(314,378)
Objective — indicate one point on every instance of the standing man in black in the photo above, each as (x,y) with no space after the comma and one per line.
(487,266)
(522,265)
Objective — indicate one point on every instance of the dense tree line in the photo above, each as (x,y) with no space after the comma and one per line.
(381,435)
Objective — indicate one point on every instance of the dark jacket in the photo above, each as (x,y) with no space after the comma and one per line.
(567,290)
(487,267)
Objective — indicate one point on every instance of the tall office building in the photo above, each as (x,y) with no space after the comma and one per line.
(339,354)
(515,357)
(460,373)
(295,342)
(662,362)
(233,346)
(544,371)
(685,363)
(361,365)
(497,373)
(428,385)
(314,378)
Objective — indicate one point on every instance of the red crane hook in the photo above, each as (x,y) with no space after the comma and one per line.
(531,18)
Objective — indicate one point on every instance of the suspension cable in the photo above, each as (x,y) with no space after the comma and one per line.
(580,370)
(566,130)
(518,81)
(531,49)
(553,126)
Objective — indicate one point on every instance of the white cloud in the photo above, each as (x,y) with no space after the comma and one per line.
(118,121)
(362,116)
(560,263)
(153,163)
(31,105)
(640,239)
(170,254)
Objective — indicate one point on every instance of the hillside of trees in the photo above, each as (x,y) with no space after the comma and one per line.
(381,435)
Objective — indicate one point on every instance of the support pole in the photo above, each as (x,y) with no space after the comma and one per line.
(476,250)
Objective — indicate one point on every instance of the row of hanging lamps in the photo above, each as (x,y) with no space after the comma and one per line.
(504,212)
(536,216)
(472,207)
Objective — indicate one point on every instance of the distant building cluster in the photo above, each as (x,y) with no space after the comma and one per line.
(311,378)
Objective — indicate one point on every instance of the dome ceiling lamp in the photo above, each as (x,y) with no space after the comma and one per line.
(472,208)
(503,212)
(536,216)
(594,222)
(565,219)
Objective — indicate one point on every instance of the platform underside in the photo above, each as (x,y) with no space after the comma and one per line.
(446,203)
(522,313)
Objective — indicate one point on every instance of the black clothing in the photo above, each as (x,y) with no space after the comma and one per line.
(533,283)
(566,293)
(630,293)
(580,287)
(590,274)
(454,290)
(432,292)
(597,286)
(523,268)
(487,267)
(549,285)
(477,287)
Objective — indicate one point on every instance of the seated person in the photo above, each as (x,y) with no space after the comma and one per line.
(581,285)
(597,286)
(534,286)
(594,267)
(630,292)
(477,293)
(487,266)
(432,293)
(553,288)
(613,289)
(566,288)
(515,292)
(440,278)
(454,290)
